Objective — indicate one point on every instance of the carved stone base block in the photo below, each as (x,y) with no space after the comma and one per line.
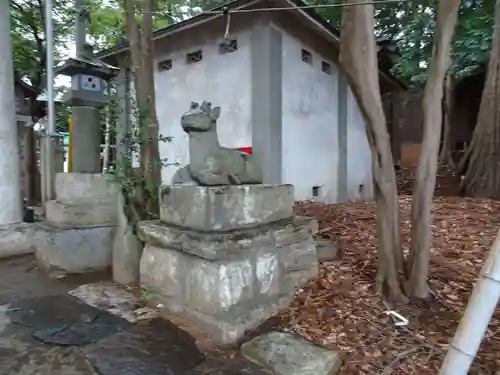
(73,251)
(223,208)
(228,282)
(70,216)
(79,225)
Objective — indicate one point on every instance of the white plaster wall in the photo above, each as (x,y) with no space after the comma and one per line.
(359,167)
(310,123)
(222,79)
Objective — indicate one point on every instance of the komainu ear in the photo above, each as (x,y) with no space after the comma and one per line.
(206,107)
(215,113)
(194,105)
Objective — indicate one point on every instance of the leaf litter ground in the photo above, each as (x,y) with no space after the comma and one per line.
(340,309)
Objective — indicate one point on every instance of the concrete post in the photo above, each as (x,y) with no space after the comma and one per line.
(266,62)
(10,183)
(86,139)
(86,129)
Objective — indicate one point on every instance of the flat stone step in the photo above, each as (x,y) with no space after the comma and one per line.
(287,354)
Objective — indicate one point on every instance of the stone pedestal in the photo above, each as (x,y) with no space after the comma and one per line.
(227,257)
(79,225)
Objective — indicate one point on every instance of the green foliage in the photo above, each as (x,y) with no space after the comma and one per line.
(130,178)
(28,36)
(410,26)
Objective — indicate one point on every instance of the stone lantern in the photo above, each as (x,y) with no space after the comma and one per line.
(87,96)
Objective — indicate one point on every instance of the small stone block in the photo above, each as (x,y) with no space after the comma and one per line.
(224,208)
(19,239)
(84,188)
(73,251)
(300,229)
(327,249)
(286,354)
(298,256)
(67,216)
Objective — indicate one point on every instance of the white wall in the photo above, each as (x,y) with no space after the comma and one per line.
(310,123)
(359,168)
(222,79)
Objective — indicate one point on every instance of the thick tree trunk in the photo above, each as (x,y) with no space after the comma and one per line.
(446,154)
(142,67)
(421,232)
(358,58)
(482,174)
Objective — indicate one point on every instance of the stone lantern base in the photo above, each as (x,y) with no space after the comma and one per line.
(79,225)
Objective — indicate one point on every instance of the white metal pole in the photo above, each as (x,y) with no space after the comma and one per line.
(481,307)
(51,125)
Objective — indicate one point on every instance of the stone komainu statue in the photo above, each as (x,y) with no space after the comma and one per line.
(210,164)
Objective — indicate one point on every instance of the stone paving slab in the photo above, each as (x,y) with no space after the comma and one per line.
(156,347)
(115,299)
(287,354)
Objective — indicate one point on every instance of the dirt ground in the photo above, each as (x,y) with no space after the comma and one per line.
(340,308)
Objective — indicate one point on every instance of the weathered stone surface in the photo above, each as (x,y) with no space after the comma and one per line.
(298,256)
(217,286)
(158,234)
(293,280)
(67,251)
(229,244)
(286,354)
(84,188)
(163,271)
(223,208)
(226,298)
(229,327)
(116,300)
(327,249)
(302,228)
(66,216)
(127,249)
(156,347)
(19,239)
(267,273)
(207,286)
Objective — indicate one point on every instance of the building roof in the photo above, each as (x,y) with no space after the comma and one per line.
(217,12)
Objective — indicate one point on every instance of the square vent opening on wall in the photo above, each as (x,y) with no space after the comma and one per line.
(165,65)
(307,56)
(317,193)
(326,67)
(228,46)
(194,57)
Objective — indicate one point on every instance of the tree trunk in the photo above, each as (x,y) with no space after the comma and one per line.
(150,163)
(141,43)
(482,175)
(446,154)
(421,233)
(358,57)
